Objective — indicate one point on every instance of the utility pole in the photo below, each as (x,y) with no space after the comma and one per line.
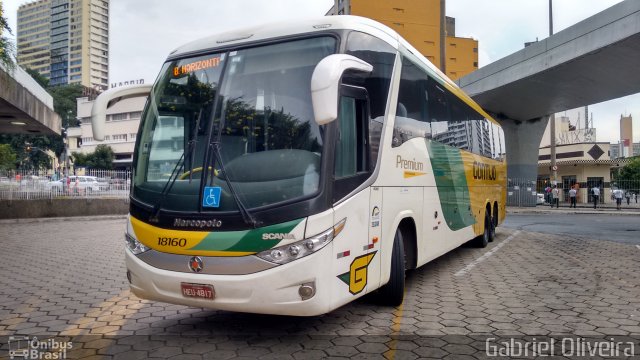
(552,117)
(586,117)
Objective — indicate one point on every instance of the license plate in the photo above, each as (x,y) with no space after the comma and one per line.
(200,291)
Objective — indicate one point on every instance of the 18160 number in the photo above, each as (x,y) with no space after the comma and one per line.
(164,241)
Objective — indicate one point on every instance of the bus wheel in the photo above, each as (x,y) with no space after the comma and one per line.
(492,228)
(482,240)
(392,293)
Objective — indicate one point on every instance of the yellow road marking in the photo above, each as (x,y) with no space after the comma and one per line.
(395,330)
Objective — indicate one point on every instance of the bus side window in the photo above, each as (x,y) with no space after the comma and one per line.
(438,108)
(351,154)
(382,56)
(412,108)
(352,157)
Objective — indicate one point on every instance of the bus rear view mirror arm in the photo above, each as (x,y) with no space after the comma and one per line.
(109,98)
(325,83)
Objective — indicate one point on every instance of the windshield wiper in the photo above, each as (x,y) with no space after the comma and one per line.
(191,148)
(174,175)
(168,185)
(181,161)
(246,215)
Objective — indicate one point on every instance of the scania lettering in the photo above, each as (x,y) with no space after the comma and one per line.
(295,167)
(277,236)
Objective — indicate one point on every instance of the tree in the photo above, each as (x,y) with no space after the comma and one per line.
(7,157)
(64,102)
(101,158)
(6,46)
(39,78)
(80,159)
(631,171)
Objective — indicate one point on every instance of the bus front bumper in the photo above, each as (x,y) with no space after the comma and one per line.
(272,291)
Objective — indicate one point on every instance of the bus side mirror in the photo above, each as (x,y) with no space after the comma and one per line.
(109,98)
(325,83)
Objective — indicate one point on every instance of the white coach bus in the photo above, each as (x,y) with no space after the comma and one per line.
(292,168)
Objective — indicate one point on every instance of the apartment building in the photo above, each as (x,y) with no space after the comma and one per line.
(423,24)
(67,41)
(121,128)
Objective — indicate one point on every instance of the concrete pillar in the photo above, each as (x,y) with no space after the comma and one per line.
(522,140)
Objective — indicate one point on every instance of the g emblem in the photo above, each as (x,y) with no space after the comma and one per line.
(357,276)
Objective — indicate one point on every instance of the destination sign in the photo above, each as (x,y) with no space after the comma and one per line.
(196,65)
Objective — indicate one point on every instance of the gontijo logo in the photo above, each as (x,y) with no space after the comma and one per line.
(484,171)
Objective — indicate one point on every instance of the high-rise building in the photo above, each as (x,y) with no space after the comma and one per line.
(473,136)
(616,150)
(423,24)
(67,41)
(626,135)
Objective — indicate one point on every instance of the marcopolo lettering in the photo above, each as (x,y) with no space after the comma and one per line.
(484,171)
(214,223)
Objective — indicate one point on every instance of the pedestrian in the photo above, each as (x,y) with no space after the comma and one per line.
(596,196)
(555,193)
(635,197)
(572,196)
(617,193)
(547,194)
(627,195)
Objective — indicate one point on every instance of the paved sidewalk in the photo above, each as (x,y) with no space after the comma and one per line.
(65,280)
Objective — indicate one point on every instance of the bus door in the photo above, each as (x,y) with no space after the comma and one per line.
(357,265)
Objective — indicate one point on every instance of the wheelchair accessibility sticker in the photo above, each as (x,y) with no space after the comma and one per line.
(211,197)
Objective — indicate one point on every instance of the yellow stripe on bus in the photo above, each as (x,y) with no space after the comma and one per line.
(154,238)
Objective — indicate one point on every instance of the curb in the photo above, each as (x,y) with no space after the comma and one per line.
(574,212)
(61,219)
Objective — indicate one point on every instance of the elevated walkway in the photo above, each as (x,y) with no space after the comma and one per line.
(592,61)
(25,107)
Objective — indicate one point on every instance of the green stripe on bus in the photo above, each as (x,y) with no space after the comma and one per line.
(451,181)
(245,240)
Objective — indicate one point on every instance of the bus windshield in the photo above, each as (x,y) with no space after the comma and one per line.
(254,105)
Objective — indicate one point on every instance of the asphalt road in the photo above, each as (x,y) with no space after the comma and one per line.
(622,229)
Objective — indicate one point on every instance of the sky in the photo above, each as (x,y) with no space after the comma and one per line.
(144,32)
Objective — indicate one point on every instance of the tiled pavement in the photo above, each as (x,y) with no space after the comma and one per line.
(65,281)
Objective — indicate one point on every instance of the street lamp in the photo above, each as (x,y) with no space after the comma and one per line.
(65,141)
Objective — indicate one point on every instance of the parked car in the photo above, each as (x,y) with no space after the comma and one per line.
(103,183)
(119,183)
(76,184)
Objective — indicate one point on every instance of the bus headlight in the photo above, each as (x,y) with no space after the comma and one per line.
(299,249)
(134,245)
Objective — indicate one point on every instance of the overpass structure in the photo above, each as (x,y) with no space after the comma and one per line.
(592,61)
(25,107)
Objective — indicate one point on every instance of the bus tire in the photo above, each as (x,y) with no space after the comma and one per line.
(492,228)
(392,294)
(483,240)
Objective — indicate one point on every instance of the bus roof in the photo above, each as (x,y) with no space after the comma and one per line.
(282,29)
(311,25)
